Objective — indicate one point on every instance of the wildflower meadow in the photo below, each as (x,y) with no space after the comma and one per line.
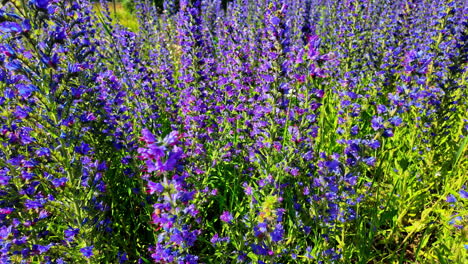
(243,131)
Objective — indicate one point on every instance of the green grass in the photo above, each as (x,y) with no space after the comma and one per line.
(120,15)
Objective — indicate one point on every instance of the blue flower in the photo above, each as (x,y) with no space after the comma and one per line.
(70,233)
(43,152)
(260,229)
(122,257)
(259,250)
(463,194)
(10,27)
(40,4)
(26,90)
(278,233)
(214,239)
(457,219)
(87,251)
(41,249)
(396,121)
(5,232)
(377,123)
(451,198)
(83,149)
(14,65)
(155,187)
(147,136)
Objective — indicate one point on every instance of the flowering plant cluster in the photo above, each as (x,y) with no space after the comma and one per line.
(269,131)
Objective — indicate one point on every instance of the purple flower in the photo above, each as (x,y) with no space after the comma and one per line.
(83,149)
(40,4)
(154,187)
(374,144)
(333,166)
(185,196)
(454,221)
(381,109)
(43,214)
(50,61)
(59,182)
(87,251)
(370,161)
(171,161)
(10,27)
(43,152)
(7,50)
(4,180)
(275,20)
(41,249)
(268,78)
(247,189)
(463,194)
(184,237)
(377,123)
(171,139)
(14,65)
(26,24)
(351,179)
(451,198)
(5,232)
(259,249)
(354,130)
(33,204)
(153,151)
(26,90)
(260,229)
(388,132)
(122,257)
(278,233)
(226,217)
(7,210)
(154,165)
(396,121)
(147,136)
(214,239)
(294,171)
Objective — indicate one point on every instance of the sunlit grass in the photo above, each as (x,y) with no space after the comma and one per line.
(120,15)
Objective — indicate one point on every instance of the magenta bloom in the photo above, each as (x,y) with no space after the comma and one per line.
(226,217)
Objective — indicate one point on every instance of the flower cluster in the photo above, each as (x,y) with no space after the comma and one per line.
(270,131)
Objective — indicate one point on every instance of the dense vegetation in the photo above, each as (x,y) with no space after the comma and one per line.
(272,131)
